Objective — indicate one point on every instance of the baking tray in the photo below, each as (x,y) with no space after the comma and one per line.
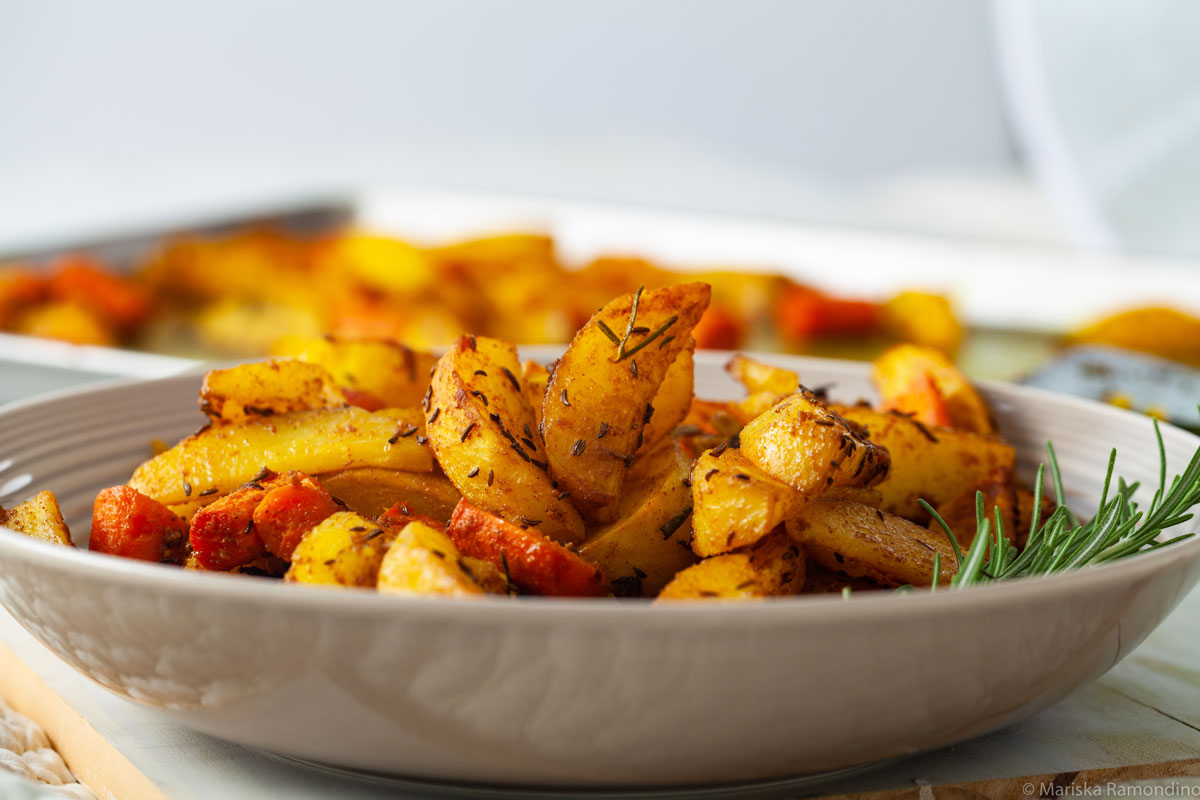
(995,286)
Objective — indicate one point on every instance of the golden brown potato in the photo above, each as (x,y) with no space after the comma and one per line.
(647,543)
(864,542)
(773,567)
(599,397)
(804,444)
(758,376)
(223,455)
(344,550)
(38,517)
(482,429)
(423,561)
(396,375)
(818,580)
(903,366)
(370,491)
(999,491)
(673,398)
(735,502)
(934,464)
(266,388)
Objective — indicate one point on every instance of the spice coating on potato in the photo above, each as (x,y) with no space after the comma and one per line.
(127,523)
(647,543)
(933,464)
(864,542)
(266,388)
(600,395)
(423,561)
(40,518)
(370,491)
(735,502)
(773,567)
(809,447)
(483,432)
(533,562)
(345,549)
(223,455)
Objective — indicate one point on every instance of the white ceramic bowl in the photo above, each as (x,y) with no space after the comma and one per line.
(578,693)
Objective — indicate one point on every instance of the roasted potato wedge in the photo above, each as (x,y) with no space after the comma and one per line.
(864,542)
(904,366)
(534,378)
(772,567)
(758,376)
(934,464)
(370,491)
(600,395)
(999,492)
(344,550)
(735,504)
(224,455)
(423,561)
(648,542)
(804,444)
(266,388)
(673,398)
(38,517)
(383,368)
(483,431)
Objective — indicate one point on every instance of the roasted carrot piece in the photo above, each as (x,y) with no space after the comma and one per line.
(399,515)
(223,534)
(531,561)
(923,401)
(85,282)
(290,510)
(719,329)
(803,313)
(127,523)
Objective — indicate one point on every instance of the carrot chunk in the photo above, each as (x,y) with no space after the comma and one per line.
(127,523)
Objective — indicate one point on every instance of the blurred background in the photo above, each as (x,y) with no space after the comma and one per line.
(1055,142)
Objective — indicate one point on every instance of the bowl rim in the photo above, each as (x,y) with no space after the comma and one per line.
(834,609)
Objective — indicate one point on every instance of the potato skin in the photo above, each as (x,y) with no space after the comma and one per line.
(344,550)
(735,503)
(806,445)
(934,464)
(483,431)
(266,388)
(40,518)
(864,542)
(224,455)
(773,567)
(650,534)
(370,491)
(595,409)
(535,563)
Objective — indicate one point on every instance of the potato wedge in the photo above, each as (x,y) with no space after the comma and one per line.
(773,567)
(370,491)
(934,464)
(38,517)
(904,366)
(599,397)
(266,388)
(423,561)
(999,491)
(344,550)
(864,542)
(735,503)
(758,376)
(534,378)
(482,429)
(383,368)
(804,444)
(648,542)
(223,456)
(673,398)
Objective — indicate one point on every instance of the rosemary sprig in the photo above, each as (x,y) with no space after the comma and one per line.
(1118,529)
(637,298)
(622,342)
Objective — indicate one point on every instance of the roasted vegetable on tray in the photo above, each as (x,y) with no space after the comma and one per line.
(362,463)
